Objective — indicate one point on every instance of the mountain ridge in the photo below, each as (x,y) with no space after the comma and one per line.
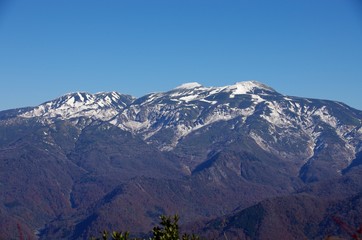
(123,110)
(191,108)
(204,151)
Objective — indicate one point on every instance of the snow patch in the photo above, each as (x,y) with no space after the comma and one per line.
(326,117)
(136,126)
(189,98)
(243,88)
(81,97)
(115,95)
(207,101)
(277,116)
(190,85)
(260,141)
(257,98)
(246,87)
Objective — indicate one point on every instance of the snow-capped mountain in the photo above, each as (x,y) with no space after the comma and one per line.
(191,107)
(101,106)
(290,127)
(204,150)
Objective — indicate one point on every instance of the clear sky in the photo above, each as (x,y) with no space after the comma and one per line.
(306,48)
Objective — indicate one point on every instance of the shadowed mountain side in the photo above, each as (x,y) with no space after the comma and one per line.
(35,183)
(324,209)
(137,204)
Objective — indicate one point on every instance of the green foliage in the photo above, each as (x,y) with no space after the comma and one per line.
(169,230)
(114,236)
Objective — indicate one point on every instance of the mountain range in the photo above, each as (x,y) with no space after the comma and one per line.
(237,162)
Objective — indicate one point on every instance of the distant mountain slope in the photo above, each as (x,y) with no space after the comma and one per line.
(66,164)
(309,214)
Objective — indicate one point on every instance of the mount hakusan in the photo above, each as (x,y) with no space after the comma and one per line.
(232,161)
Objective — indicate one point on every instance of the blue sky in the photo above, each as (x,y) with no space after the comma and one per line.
(306,48)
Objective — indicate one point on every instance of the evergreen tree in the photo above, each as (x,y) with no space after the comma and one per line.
(168,230)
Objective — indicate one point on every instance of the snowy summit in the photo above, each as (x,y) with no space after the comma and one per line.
(247,87)
(190,85)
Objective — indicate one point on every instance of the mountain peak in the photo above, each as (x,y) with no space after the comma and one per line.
(249,87)
(189,85)
(73,97)
(103,106)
